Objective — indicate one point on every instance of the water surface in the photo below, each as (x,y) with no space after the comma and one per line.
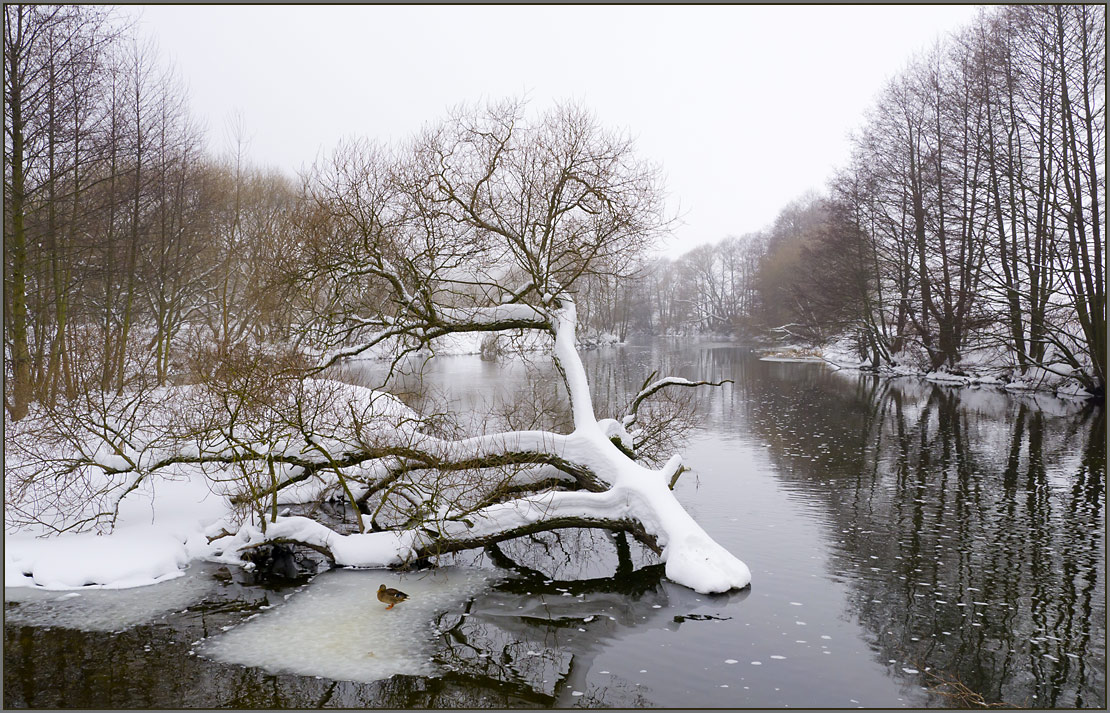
(908,542)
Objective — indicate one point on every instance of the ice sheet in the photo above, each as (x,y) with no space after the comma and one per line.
(337,627)
(106,609)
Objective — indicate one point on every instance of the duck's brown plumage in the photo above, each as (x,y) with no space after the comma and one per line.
(391,596)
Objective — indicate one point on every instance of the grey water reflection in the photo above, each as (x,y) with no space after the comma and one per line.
(968,524)
(903,537)
(974,531)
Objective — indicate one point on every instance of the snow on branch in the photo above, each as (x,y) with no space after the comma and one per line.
(256,432)
(440,321)
(650,389)
(453,506)
(489,525)
(483,225)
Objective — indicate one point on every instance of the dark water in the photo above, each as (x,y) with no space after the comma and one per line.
(910,545)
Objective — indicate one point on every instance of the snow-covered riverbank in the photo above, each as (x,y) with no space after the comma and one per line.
(154,539)
(979,369)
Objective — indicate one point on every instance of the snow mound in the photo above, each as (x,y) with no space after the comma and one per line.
(136,557)
(947,377)
(153,540)
(342,631)
(1073,390)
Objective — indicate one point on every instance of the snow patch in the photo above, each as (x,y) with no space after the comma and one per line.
(132,558)
(154,539)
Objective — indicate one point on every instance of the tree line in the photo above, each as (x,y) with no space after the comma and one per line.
(967,223)
(124,237)
(132,252)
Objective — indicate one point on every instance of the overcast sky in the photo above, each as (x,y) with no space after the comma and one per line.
(745,107)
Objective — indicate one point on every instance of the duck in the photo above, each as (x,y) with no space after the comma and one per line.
(391,596)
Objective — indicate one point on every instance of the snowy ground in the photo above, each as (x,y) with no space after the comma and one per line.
(154,539)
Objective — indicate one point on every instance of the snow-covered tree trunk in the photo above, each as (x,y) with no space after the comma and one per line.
(622,495)
(483,225)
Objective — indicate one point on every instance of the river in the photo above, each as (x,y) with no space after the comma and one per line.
(911,545)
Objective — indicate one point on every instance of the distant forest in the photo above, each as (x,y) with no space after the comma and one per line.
(968,220)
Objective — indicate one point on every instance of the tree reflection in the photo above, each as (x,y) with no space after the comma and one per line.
(535,637)
(970,524)
(529,642)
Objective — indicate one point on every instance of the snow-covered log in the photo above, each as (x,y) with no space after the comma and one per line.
(614,493)
(482,225)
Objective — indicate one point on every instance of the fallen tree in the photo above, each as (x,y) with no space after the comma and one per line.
(482,225)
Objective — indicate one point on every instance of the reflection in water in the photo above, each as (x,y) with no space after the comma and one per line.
(949,535)
(527,643)
(969,524)
(988,536)
(538,637)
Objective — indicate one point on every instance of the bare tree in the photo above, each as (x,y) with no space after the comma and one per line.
(52,59)
(1080,44)
(485,224)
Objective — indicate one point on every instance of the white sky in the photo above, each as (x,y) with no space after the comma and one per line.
(745,107)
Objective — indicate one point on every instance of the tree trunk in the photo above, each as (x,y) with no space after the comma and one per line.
(17,241)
